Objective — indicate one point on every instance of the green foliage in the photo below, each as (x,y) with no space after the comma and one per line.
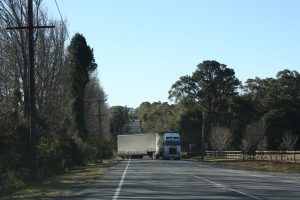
(243,111)
(14,141)
(108,148)
(80,60)
(157,117)
(213,88)
(119,117)
(190,122)
(50,154)
(11,182)
(210,86)
(64,138)
(277,101)
(183,118)
(78,149)
(14,156)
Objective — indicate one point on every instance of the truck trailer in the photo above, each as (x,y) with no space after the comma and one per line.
(164,145)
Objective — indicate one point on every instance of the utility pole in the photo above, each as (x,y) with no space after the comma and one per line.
(32,108)
(100,125)
(101,130)
(31,78)
(203,136)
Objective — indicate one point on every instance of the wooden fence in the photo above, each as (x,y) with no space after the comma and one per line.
(267,156)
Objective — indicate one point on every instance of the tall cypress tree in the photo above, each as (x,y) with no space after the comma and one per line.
(81,62)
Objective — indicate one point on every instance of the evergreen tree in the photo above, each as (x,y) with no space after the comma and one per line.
(210,86)
(81,62)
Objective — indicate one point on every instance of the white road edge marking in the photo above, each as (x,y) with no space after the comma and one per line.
(225,187)
(116,195)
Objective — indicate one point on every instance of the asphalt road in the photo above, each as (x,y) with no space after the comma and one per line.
(172,179)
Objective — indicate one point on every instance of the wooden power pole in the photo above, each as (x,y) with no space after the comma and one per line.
(203,136)
(31,78)
(32,107)
(100,127)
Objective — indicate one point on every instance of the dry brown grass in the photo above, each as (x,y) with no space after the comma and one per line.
(270,166)
(61,185)
(278,167)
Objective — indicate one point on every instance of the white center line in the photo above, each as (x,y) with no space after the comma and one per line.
(116,195)
(225,187)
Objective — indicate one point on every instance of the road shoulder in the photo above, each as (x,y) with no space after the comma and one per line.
(63,184)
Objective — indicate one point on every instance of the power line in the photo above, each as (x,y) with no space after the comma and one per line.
(62,18)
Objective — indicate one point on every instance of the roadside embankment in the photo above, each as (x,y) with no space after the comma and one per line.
(61,184)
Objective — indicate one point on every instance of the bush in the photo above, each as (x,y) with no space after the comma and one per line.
(50,155)
(108,148)
(11,182)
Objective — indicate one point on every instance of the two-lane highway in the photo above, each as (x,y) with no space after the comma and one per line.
(169,179)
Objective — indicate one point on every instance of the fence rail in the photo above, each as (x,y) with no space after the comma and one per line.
(267,156)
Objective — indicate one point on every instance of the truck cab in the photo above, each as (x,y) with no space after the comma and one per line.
(168,145)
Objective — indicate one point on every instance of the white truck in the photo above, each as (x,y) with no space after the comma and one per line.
(168,146)
(156,145)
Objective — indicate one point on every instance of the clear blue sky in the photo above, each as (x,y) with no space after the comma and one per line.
(143,46)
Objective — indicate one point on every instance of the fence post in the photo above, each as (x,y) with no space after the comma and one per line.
(294,156)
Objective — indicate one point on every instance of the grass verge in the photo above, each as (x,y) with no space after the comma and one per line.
(269,166)
(61,185)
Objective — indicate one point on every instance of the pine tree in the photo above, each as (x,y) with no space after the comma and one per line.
(81,62)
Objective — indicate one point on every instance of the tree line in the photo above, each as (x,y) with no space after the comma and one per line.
(260,114)
(72,117)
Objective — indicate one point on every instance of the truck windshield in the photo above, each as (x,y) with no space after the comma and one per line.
(172,142)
